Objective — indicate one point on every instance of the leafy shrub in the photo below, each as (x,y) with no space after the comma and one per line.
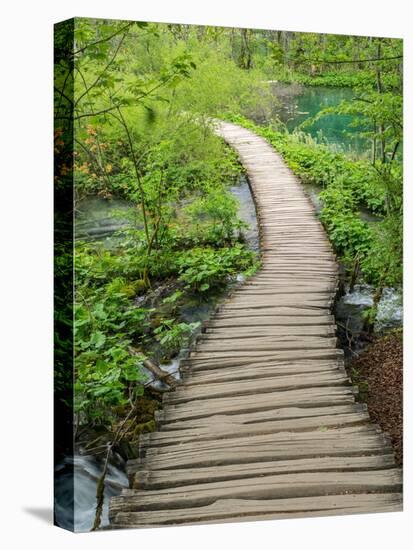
(105,325)
(174,335)
(204,268)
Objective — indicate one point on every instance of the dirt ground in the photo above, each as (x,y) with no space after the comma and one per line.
(379,373)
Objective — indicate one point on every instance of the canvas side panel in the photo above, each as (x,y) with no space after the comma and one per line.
(63,274)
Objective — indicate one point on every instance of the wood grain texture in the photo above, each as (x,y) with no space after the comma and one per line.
(265,423)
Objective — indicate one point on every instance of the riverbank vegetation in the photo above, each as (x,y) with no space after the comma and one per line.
(142,97)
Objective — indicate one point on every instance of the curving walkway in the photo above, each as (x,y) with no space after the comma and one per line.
(265,424)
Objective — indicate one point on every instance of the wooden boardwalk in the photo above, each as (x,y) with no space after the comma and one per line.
(265,424)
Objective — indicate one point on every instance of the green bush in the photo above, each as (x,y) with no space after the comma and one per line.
(202,269)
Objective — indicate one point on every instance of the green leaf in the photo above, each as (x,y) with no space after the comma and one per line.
(98,339)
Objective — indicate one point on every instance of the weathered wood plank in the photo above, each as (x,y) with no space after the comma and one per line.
(259,370)
(295,312)
(162,479)
(251,331)
(208,362)
(281,351)
(336,395)
(253,510)
(262,385)
(227,429)
(246,441)
(350,445)
(249,417)
(245,320)
(263,343)
(267,487)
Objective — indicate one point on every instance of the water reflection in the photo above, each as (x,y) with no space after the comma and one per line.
(299,102)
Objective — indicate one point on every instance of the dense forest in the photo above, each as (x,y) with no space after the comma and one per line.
(143,97)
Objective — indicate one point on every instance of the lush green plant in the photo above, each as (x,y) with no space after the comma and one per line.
(214,218)
(204,268)
(174,335)
(106,324)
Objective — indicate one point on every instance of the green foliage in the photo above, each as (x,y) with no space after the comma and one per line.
(141,96)
(174,335)
(383,266)
(334,79)
(106,324)
(203,269)
(213,217)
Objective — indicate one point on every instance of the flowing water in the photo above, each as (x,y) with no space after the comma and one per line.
(81,474)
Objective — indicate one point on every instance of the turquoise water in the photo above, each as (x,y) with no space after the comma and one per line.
(298,103)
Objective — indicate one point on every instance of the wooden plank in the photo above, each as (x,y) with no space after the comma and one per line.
(162,479)
(259,370)
(225,429)
(268,297)
(208,362)
(253,304)
(267,487)
(253,510)
(336,395)
(244,320)
(264,343)
(251,331)
(246,441)
(295,311)
(205,357)
(349,445)
(187,393)
(266,415)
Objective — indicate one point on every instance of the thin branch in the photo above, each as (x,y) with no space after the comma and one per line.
(116,107)
(395,151)
(159,373)
(100,486)
(84,115)
(99,158)
(122,120)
